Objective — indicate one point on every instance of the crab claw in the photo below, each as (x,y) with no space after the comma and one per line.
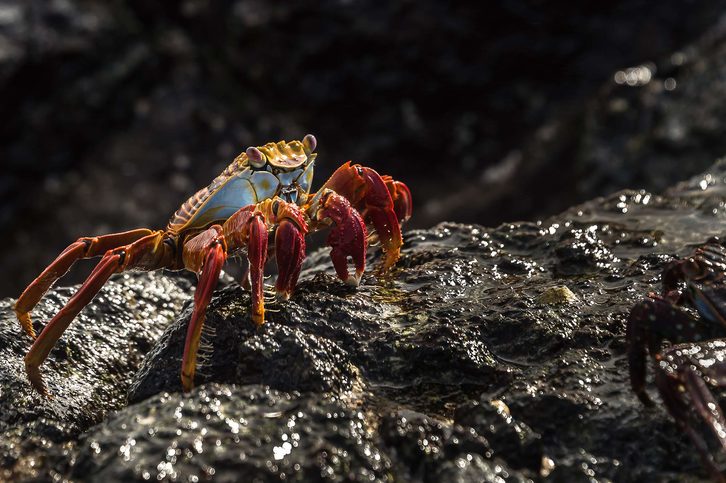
(401,196)
(257,255)
(347,237)
(381,200)
(379,207)
(290,253)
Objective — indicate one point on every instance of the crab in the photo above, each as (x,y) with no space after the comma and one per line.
(263,193)
(689,314)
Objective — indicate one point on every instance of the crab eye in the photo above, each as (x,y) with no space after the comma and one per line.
(275,206)
(310,142)
(255,157)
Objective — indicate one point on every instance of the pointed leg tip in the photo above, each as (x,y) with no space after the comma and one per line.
(644,398)
(354,280)
(391,258)
(258,319)
(26,323)
(187,381)
(36,380)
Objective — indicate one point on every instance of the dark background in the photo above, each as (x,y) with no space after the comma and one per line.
(113,113)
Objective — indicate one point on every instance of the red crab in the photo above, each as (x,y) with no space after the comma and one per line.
(264,192)
(690,314)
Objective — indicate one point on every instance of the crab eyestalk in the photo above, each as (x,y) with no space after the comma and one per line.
(255,157)
(310,142)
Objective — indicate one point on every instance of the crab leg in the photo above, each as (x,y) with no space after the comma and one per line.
(674,384)
(370,194)
(86,247)
(147,253)
(247,228)
(646,332)
(289,247)
(204,254)
(257,256)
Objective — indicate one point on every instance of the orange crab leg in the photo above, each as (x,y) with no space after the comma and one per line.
(205,254)
(86,247)
(257,256)
(210,247)
(371,195)
(147,253)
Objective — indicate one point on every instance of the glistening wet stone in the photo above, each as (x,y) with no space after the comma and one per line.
(234,433)
(233,350)
(486,354)
(88,372)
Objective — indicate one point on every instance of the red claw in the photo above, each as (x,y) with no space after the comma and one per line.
(401,196)
(379,208)
(381,200)
(289,246)
(347,238)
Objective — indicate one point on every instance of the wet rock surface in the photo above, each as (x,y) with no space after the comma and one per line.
(486,354)
(88,372)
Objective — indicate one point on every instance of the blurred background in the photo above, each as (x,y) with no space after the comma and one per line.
(114,112)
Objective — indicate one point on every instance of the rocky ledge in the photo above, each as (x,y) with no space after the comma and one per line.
(487,354)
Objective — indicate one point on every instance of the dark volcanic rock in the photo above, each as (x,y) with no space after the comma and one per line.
(88,372)
(649,124)
(486,354)
(656,121)
(284,356)
(232,433)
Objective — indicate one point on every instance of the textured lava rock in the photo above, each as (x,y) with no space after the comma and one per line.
(486,354)
(285,356)
(651,122)
(656,120)
(88,372)
(234,433)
